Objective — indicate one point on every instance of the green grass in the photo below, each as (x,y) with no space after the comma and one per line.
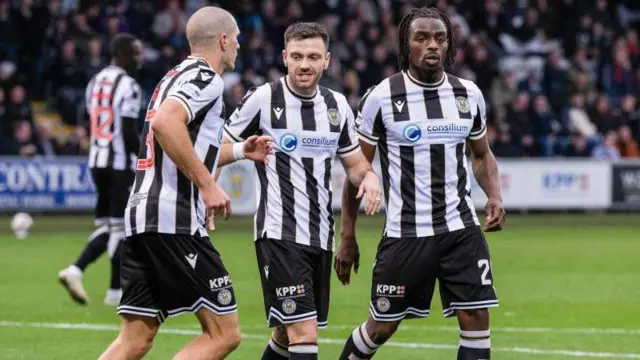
(557,276)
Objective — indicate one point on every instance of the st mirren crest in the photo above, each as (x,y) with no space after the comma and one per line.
(334,116)
(463,104)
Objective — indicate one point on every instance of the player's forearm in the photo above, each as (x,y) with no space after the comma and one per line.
(350,206)
(485,170)
(175,142)
(230,153)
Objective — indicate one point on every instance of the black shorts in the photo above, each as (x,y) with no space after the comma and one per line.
(165,275)
(295,281)
(113,188)
(405,273)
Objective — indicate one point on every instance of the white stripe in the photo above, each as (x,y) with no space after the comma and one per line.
(475,334)
(303,349)
(333,341)
(476,344)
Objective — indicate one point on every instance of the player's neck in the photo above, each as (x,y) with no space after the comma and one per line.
(298,92)
(426,78)
(214,60)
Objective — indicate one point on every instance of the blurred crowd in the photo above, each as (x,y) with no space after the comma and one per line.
(560,77)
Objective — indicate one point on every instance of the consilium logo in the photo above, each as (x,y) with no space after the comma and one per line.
(412,133)
(288,142)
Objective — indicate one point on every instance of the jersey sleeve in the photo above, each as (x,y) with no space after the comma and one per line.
(479,128)
(245,120)
(131,101)
(197,91)
(348,141)
(369,120)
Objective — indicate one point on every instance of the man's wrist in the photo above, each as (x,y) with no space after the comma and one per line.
(238,151)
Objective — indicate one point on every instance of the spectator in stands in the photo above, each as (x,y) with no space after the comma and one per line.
(577,147)
(601,114)
(578,119)
(627,146)
(18,107)
(548,131)
(628,114)
(608,149)
(504,90)
(23,142)
(618,78)
(69,83)
(95,60)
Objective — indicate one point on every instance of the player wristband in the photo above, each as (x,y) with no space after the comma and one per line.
(238,151)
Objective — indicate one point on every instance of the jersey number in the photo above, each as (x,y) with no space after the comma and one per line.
(150,160)
(100,129)
(484,265)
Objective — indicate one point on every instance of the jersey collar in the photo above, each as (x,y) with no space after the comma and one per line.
(426,85)
(200,58)
(294,93)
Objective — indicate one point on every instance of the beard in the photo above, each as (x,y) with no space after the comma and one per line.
(311,81)
(431,75)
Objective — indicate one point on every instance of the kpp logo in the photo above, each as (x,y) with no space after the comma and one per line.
(290,291)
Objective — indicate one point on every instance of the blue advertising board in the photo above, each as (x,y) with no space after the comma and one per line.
(48,185)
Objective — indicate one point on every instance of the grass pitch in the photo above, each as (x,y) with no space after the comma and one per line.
(569,287)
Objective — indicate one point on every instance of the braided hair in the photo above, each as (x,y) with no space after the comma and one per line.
(403,35)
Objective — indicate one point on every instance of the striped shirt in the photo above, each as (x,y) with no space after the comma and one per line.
(421,132)
(163,199)
(111,96)
(295,192)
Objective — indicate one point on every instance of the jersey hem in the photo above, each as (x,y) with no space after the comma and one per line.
(453,229)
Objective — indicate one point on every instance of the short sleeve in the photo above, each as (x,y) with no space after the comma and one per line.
(245,120)
(369,120)
(131,101)
(348,141)
(479,128)
(197,91)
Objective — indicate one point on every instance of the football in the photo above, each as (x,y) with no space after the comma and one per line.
(21,224)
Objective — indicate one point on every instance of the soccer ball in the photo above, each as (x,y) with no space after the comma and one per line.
(21,224)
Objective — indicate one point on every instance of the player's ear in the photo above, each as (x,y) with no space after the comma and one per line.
(224,41)
(327,60)
(284,57)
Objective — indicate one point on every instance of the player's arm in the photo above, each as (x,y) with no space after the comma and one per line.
(485,169)
(240,140)
(169,125)
(129,111)
(368,125)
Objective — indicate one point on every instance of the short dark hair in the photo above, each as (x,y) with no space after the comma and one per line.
(121,44)
(306,30)
(403,35)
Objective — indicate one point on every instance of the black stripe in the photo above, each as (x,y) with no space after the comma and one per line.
(112,127)
(378,125)
(399,98)
(314,205)
(459,91)
(408,192)
(209,163)
(438,194)
(278,105)
(261,215)
(328,162)
(365,97)
(432,103)
(331,103)
(463,206)
(287,194)
(308,116)
(175,78)
(252,128)
(344,141)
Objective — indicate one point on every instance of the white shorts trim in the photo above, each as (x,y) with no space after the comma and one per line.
(468,305)
(203,303)
(415,312)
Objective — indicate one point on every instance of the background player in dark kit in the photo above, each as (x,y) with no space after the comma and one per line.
(169,265)
(294,224)
(113,104)
(418,154)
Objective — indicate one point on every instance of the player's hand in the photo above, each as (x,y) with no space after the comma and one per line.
(348,255)
(257,148)
(495,215)
(216,202)
(370,185)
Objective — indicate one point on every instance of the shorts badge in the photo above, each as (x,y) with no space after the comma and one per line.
(224,297)
(288,306)
(383,304)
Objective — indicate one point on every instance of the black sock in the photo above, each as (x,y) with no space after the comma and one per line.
(96,246)
(303,351)
(275,351)
(115,268)
(474,345)
(359,345)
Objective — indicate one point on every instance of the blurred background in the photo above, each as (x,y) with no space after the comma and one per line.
(561,79)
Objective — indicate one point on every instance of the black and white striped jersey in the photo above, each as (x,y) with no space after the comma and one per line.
(111,97)
(294,202)
(163,199)
(421,132)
